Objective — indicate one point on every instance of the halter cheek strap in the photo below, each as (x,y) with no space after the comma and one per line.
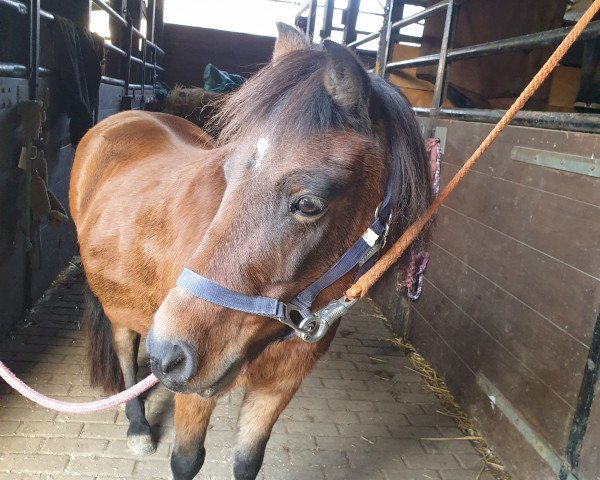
(296,314)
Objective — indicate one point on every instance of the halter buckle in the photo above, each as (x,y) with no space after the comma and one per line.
(313,326)
(377,241)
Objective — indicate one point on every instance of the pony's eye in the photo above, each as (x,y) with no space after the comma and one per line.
(308,205)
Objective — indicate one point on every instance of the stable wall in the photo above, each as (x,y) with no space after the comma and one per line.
(189,49)
(53,246)
(512,291)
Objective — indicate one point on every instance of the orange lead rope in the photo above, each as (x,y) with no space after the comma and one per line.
(360,288)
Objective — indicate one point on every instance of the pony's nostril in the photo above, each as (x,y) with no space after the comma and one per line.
(173,362)
(173,359)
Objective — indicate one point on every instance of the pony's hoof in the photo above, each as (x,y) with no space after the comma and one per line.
(141,445)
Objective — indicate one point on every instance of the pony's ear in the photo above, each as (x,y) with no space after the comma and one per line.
(288,40)
(345,79)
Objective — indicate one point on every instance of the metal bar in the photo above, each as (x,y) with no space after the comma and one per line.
(113,81)
(126,99)
(302,9)
(362,41)
(359,32)
(143,72)
(150,15)
(585,399)
(441,78)
(17,70)
(350,17)
(153,45)
(136,60)
(404,22)
(111,48)
(514,44)
(395,36)
(159,21)
(327,19)
(34,47)
(384,38)
(18,7)
(577,122)
(121,83)
(33,67)
(111,12)
(393,9)
(310,21)
(422,15)
(398,37)
(22,9)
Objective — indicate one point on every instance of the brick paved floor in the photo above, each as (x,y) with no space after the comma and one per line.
(361,414)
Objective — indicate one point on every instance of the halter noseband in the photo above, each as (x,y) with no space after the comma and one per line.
(296,314)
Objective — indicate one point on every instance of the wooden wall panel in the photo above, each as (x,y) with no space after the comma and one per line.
(513,326)
(513,286)
(498,164)
(483,352)
(516,455)
(550,223)
(562,296)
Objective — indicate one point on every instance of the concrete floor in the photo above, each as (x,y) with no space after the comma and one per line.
(361,414)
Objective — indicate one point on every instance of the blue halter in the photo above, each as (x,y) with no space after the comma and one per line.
(296,314)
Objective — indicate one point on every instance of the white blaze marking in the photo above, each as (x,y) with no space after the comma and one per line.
(261,148)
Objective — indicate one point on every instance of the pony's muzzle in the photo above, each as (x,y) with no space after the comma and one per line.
(172,361)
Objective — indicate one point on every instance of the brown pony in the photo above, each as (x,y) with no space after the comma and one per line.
(305,151)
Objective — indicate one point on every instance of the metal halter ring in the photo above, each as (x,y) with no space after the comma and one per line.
(387,230)
(314,326)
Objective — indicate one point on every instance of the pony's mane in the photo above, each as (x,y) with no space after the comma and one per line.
(410,163)
(288,97)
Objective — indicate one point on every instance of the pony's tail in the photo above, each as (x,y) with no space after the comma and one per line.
(104,367)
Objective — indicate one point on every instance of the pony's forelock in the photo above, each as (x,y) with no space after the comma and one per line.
(288,98)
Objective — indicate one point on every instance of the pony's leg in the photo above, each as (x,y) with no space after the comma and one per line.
(259,412)
(139,438)
(192,414)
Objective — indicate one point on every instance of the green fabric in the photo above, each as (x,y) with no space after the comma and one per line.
(218,81)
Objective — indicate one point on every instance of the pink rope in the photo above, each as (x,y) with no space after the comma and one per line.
(68,407)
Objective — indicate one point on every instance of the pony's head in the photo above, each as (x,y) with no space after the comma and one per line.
(309,144)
